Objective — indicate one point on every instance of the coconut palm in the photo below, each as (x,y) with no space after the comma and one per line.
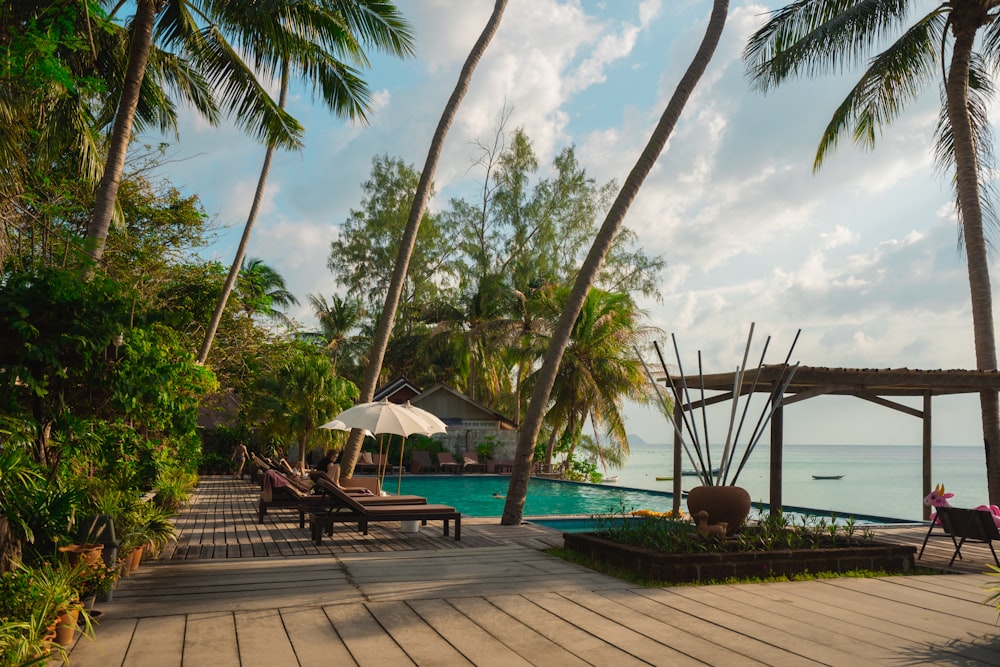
(58,92)
(262,291)
(341,28)
(388,316)
(816,36)
(518,490)
(337,319)
(233,43)
(301,395)
(599,370)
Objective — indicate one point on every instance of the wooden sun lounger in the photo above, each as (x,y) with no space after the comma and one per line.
(291,496)
(348,509)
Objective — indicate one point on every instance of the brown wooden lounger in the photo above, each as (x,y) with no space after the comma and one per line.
(348,509)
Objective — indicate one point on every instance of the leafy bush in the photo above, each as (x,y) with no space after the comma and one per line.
(677,534)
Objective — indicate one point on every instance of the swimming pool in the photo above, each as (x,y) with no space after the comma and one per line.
(472,495)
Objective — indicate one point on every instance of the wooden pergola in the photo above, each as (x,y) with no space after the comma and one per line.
(878,386)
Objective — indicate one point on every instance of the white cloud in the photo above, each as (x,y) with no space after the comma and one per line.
(861,255)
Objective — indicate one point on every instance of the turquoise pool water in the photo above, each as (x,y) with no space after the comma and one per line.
(473,495)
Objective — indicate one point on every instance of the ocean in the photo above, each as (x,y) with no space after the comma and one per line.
(879,480)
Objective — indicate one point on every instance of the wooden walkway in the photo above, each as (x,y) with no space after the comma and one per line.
(231,592)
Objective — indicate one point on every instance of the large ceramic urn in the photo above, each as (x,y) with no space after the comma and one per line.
(724,504)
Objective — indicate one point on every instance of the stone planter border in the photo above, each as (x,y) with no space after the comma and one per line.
(684,568)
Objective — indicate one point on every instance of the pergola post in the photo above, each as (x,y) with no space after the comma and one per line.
(678,444)
(927,452)
(777,437)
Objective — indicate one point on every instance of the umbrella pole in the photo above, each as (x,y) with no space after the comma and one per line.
(380,468)
(399,482)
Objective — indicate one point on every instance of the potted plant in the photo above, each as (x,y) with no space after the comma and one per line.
(146,528)
(486,447)
(718,494)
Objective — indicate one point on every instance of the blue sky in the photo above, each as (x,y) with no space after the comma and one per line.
(862,256)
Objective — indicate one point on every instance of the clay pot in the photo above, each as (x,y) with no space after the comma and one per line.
(86,553)
(66,627)
(134,558)
(724,504)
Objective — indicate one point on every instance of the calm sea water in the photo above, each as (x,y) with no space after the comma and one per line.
(878,480)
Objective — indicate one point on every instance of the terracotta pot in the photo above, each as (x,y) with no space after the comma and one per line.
(134,558)
(724,504)
(66,627)
(87,553)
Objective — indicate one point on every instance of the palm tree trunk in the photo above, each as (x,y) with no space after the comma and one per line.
(518,489)
(107,192)
(385,323)
(965,24)
(241,250)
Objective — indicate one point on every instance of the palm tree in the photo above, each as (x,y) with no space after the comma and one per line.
(262,291)
(481,324)
(599,370)
(388,316)
(814,36)
(376,22)
(57,94)
(518,490)
(232,43)
(336,321)
(300,396)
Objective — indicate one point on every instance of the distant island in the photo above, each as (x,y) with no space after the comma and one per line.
(636,441)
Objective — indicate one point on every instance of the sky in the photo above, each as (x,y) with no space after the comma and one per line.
(863,256)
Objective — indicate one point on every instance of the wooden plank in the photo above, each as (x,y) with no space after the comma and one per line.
(364,637)
(713,625)
(472,641)
(582,644)
(613,606)
(415,636)
(262,639)
(158,642)
(314,638)
(642,647)
(109,645)
(520,638)
(210,639)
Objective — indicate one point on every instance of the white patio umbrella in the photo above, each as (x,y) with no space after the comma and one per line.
(385,417)
(434,425)
(337,425)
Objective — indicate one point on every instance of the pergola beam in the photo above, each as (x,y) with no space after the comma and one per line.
(868,384)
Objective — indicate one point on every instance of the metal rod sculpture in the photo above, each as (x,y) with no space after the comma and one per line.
(699,450)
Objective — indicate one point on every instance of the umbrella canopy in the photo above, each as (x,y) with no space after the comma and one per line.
(434,425)
(337,425)
(385,417)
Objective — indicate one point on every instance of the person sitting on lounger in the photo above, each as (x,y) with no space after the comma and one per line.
(323,465)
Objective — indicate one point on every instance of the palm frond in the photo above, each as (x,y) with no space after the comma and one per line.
(812,37)
(981,92)
(894,78)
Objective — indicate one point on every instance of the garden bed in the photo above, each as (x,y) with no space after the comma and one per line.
(718,566)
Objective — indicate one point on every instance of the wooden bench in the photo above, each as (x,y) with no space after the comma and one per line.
(968,525)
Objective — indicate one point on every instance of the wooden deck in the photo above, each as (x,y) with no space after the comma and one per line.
(232,592)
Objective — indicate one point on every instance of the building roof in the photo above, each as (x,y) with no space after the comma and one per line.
(505,423)
(399,390)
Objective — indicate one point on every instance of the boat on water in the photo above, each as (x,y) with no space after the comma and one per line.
(828,476)
(715,471)
(613,479)
(664,479)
